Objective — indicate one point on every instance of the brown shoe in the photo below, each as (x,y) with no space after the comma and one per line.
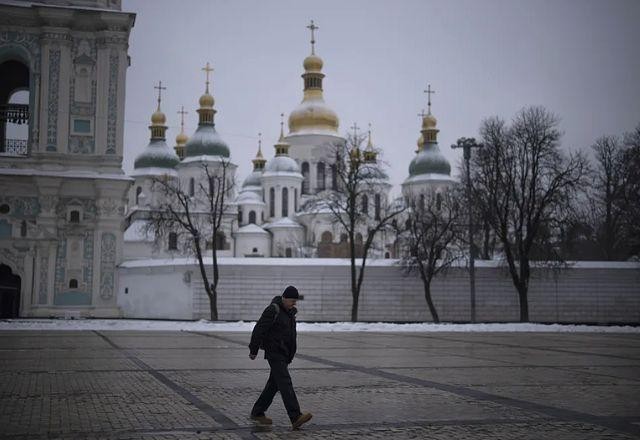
(263,420)
(302,419)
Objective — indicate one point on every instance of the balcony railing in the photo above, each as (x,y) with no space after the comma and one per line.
(14,147)
(14,113)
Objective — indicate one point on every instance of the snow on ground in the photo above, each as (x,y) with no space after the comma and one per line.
(240,326)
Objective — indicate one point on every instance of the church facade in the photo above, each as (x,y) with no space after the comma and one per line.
(277,210)
(62,188)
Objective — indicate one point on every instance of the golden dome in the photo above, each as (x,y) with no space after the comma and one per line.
(206,101)
(313,115)
(158,118)
(182,138)
(429,121)
(312,63)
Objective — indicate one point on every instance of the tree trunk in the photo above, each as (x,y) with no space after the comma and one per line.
(213,304)
(523,289)
(354,291)
(427,296)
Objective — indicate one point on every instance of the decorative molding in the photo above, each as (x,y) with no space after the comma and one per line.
(81,144)
(54,79)
(112,106)
(43,280)
(22,207)
(48,204)
(14,259)
(61,260)
(88,207)
(109,208)
(29,41)
(87,269)
(107,265)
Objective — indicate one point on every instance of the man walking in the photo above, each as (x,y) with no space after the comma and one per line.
(275,332)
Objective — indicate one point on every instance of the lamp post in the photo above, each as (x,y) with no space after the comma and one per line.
(467,144)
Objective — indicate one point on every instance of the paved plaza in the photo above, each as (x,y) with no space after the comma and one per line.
(197,385)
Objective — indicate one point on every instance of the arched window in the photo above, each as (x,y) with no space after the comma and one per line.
(287,252)
(438,201)
(343,238)
(192,187)
(305,177)
(23,228)
(421,206)
(358,238)
(272,202)
(320,176)
(387,255)
(74,217)
(14,93)
(334,177)
(295,199)
(326,237)
(365,204)
(173,241)
(138,192)
(73,283)
(377,206)
(285,202)
(240,216)
(252,217)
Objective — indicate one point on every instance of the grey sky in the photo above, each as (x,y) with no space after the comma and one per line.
(580,59)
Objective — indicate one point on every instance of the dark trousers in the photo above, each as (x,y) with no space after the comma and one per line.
(279,380)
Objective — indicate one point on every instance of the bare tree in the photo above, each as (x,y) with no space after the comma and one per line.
(632,190)
(198,215)
(522,181)
(605,208)
(428,237)
(357,177)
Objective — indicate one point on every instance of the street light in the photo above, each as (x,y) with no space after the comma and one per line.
(467,144)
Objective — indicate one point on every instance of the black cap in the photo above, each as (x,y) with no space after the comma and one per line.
(292,293)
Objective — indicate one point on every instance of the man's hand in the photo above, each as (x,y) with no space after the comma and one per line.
(252,356)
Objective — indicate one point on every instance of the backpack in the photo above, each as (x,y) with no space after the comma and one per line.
(275,318)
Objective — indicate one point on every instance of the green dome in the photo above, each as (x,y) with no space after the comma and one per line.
(429,161)
(206,142)
(157,155)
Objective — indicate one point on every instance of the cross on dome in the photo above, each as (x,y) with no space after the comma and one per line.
(160,89)
(181,112)
(312,27)
(208,69)
(429,92)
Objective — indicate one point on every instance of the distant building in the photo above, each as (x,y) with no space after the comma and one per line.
(63,192)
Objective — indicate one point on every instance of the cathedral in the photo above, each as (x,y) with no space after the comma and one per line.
(70,217)
(277,209)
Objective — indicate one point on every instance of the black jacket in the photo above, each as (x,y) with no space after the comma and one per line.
(278,339)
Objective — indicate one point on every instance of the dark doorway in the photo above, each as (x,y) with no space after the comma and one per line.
(9,293)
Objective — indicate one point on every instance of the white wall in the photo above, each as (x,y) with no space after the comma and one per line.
(158,292)
(589,292)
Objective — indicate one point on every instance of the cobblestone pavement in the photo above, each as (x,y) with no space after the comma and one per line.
(182,385)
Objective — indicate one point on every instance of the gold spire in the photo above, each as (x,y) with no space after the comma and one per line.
(370,154)
(355,152)
(429,130)
(282,146)
(158,119)
(206,111)
(181,138)
(259,161)
(313,115)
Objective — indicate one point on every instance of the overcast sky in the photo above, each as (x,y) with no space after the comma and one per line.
(579,59)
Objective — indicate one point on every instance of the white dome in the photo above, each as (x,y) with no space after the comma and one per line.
(282,164)
(248,197)
(253,179)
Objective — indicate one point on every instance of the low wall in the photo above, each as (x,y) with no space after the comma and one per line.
(586,292)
